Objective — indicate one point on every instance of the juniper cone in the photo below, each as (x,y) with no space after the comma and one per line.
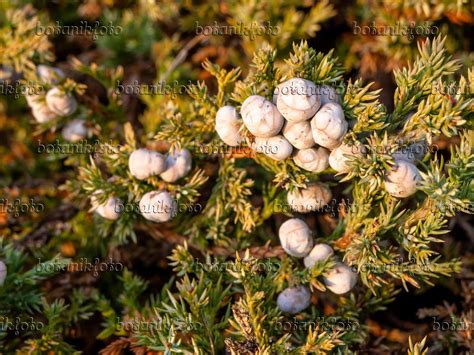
(402,180)
(49,74)
(297,99)
(277,148)
(75,130)
(320,252)
(294,300)
(60,102)
(312,198)
(295,237)
(314,160)
(228,124)
(34,99)
(144,163)
(42,113)
(340,155)
(178,165)
(110,209)
(157,206)
(261,117)
(329,126)
(413,153)
(299,134)
(340,279)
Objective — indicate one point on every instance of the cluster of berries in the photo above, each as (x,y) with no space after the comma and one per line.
(156,206)
(297,241)
(304,120)
(57,102)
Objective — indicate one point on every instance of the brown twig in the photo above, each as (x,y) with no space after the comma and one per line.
(182,54)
